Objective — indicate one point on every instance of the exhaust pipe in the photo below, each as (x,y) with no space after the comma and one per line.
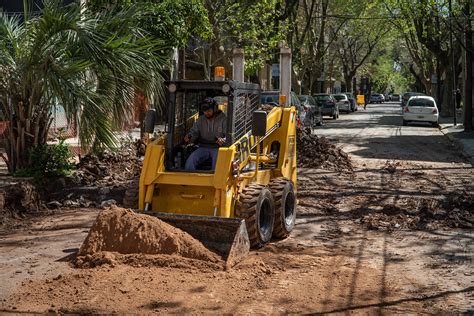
(285,74)
(238,61)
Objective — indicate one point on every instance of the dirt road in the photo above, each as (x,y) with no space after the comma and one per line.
(367,241)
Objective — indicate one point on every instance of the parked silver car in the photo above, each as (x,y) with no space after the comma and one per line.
(314,115)
(352,100)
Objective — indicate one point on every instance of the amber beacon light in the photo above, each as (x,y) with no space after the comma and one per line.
(219,73)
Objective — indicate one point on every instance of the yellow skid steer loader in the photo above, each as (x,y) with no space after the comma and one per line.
(250,194)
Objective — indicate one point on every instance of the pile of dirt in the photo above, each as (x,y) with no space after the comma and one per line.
(319,152)
(456,211)
(17,201)
(122,231)
(111,168)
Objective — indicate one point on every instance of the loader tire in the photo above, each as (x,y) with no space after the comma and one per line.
(257,207)
(130,198)
(285,207)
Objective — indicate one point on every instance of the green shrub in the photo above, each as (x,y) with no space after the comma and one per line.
(48,161)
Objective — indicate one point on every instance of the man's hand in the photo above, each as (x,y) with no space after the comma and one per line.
(187,138)
(220,141)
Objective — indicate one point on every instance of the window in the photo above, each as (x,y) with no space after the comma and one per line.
(303,98)
(272,98)
(425,103)
(324,97)
(294,100)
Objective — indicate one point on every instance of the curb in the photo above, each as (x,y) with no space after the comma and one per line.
(457,144)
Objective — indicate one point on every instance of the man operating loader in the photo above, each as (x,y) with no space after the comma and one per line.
(208,132)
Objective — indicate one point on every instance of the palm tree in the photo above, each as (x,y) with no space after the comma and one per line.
(90,62)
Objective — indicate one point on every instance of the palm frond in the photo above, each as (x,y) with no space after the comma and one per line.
(90,62)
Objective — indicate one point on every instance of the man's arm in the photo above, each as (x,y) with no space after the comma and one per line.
(193,132)
(221,138)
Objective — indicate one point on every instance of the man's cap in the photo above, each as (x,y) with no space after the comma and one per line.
(207,104)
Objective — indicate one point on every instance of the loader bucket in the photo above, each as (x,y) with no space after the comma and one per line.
(227,237)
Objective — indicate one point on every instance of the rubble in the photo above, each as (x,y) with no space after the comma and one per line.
(99,180)
(110,168)
(18,200)
(455,211)
(318,152)
(54,204)
(267,107)
(391,166)
(108,203)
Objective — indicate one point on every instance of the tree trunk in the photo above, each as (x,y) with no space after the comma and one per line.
(317,74)
(448,88)
(141,107)
(348,81)
(468,115)
(27,130)
(438,84)
(182,64)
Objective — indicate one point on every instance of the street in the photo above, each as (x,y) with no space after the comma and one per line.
(365,241)
(378,134)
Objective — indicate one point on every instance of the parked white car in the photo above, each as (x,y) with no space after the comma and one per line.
(421,109)
(343,102)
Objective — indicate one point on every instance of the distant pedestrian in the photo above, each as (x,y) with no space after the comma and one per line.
(458,99)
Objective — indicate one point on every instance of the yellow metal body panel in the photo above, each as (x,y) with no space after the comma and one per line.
(210,194)
(184,199)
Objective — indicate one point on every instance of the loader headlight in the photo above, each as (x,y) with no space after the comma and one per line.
(226,88)
(172,88)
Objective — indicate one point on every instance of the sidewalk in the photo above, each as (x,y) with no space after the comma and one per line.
(75,145)
(463,141)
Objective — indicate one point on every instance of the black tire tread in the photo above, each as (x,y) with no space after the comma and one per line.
(276,186)
(246,209)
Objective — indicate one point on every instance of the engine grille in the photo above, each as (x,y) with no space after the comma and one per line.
(245,102)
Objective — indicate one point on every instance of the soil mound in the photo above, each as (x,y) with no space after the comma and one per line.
(125,232)
(319,152)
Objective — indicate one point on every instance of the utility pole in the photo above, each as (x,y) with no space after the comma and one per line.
(469,61)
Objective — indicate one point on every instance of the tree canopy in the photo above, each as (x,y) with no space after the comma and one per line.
(92,58)
(88,62)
